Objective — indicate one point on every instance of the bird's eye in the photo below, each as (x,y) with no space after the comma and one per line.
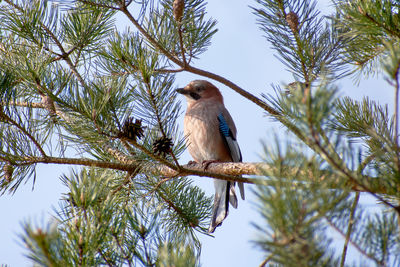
(199,88)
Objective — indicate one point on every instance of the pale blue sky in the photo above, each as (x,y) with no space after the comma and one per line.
(239,53)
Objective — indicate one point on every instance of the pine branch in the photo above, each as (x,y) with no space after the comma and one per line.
(24,104)
(74,161)
(228,171)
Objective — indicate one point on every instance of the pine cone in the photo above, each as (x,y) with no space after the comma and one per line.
(8,170)
(132,130)
(293,20)
(178,7)
(162,146)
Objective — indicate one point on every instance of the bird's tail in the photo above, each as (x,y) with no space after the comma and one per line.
(224,194)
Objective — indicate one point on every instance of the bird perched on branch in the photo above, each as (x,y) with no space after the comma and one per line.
(211,135)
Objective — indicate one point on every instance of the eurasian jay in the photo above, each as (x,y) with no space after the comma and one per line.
(211,135)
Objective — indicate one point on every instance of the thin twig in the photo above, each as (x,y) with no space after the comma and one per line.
(126,256)
(266,260)
(181,44)
(349,228)
(157,186)
(126,181)
(396,124)
(172,205)
(396,115)
(158,46)
(355,245)
(105,258)
(99,5)
(146,252)
(25,132)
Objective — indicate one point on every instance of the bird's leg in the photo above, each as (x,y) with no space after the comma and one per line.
(206,163)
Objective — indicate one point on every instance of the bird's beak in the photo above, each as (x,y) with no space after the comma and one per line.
(181,91)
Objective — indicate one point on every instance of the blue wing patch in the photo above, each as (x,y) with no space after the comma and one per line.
(229,140)
(223,126)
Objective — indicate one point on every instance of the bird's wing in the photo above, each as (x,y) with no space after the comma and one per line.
(228,133)
(229,138)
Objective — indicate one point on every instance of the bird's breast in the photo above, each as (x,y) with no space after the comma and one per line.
(204,140)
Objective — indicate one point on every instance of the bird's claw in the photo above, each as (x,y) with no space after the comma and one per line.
(191,163)
(206,163)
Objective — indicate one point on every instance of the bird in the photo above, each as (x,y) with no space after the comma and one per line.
(211,137)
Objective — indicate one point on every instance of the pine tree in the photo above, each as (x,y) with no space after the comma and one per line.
(72,83)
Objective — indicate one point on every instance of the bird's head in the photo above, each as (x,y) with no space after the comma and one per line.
(199,90)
